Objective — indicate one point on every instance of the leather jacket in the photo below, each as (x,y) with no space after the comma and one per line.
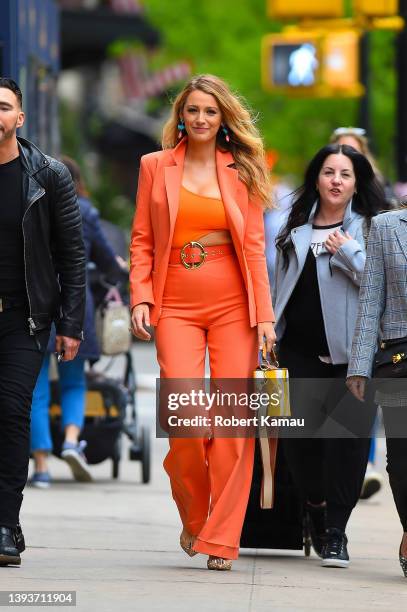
(54,254)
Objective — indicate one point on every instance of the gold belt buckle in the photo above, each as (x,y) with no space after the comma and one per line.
(193,264)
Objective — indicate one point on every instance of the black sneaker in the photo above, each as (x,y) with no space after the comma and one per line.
(10,546)
(19,538)
(335,553)
(315,526)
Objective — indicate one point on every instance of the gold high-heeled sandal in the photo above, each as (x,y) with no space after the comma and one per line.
(403,562)
(186,541)
(220,564)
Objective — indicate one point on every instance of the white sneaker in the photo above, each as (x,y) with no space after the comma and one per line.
(75,458)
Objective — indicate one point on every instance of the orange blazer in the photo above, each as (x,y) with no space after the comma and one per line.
(157,202)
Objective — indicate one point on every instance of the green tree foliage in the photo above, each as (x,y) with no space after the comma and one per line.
(384,98)
(223,37)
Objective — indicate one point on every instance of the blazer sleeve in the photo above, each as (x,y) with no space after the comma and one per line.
(371,307)
(254,248)
(142,242)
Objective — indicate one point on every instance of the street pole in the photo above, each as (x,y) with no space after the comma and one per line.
(364,120)
(401,126)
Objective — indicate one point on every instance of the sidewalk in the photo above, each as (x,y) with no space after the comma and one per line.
(116,544)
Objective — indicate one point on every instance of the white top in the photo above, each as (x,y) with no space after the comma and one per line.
(319,234)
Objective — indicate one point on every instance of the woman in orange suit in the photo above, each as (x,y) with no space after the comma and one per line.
(198,273)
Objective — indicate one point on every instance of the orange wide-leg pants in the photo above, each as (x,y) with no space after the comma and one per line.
(210,478)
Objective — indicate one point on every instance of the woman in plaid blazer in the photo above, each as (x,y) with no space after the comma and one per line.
(383,315)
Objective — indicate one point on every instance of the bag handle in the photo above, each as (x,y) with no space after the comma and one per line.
(267,359)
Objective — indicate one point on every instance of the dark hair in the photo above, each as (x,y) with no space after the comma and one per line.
(8,83)
(76,175)
(368,200)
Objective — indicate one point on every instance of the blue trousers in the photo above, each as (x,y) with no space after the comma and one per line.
(73,393)
(372,452)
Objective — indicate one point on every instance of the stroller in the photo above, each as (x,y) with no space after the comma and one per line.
(110,412)
(110,401)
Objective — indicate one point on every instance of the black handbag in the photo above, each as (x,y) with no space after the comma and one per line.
(281,526)
(391,359)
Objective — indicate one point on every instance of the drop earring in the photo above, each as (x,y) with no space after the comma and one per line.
(181,128)
(226,133)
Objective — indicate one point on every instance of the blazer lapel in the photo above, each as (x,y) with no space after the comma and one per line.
(173,181)
(301,237)
(401,233)
(228,184)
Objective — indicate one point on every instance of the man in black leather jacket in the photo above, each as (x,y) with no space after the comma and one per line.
(42,278)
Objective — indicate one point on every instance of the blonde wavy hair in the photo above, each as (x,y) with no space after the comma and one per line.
(245,143)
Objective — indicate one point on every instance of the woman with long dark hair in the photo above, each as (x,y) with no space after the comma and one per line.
(320,260)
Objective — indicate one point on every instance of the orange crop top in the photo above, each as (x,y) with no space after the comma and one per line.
(197,215)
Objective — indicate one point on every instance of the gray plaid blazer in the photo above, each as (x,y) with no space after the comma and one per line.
(382,312)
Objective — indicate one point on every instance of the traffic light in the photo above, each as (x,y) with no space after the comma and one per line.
(376,8)
(340,66)
(289,9)
(291,60)
(314,63)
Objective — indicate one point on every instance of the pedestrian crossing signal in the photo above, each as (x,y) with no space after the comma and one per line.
(296,65)
(291,60)
(313,63)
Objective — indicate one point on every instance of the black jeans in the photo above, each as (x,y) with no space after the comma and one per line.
(394,419)
(328,461)
(21,357)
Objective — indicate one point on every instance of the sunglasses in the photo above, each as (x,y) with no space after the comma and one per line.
(342,131)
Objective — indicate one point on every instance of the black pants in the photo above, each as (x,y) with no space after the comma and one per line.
(328,459)
(395,425)
(21,357)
